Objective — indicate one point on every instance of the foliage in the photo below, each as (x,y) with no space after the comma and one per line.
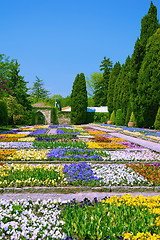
(119,117)
(17,85)
(111,85)
(13,107)
(79,100)
(101,87)
(38,93)
(113,117)
(3,113)
(157,120)
(95,78)
(149,83)
(132,118)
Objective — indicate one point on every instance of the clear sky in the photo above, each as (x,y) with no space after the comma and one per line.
(57,39)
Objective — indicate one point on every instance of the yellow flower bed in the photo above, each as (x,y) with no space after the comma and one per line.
(7,135)
(141,236)
(27,129)
(96,132)
(115,139)
(27,139)
(151,203)
(112,145)
(29,155)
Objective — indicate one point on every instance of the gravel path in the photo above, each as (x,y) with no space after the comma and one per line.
(145,143)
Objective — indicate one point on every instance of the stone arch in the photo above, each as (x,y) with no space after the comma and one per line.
(42,113)
(39,118)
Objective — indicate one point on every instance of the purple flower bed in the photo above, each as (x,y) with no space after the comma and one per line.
(37,132)
(80,173)
(73,154)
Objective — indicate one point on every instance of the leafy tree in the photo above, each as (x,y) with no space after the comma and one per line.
(38,93)
(79,100)
(13,107)
(111,84)
(149,83)
(157,120)
(91,102)
(95,78)
(66,101)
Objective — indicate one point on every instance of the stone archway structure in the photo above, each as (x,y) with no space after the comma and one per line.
(42,113)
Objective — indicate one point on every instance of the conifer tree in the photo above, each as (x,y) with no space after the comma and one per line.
(149,83)
(149,25)
(111,84)
(79,100)
(101,89)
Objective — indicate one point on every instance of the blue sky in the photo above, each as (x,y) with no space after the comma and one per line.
(57,39)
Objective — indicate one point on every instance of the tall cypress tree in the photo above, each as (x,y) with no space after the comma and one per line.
(149,83)
(111,84)
(149,25)
(79,100)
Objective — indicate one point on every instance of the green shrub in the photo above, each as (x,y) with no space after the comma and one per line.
(157,120)
(119,117)
(28,118)
(113,117)
(3,113)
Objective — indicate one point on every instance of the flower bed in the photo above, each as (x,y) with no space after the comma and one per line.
(114,218)
(148,171)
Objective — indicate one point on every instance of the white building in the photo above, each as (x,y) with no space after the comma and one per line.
(102,109)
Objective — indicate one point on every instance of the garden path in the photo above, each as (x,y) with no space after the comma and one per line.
(64,197)
(137,140)
(52,131)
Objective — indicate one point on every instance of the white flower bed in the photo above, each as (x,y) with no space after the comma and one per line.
(24,219)
(118,174)
(18,145)
(144,155)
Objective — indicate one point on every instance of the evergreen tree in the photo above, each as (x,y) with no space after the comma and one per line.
(38,93)
(111,85)
(119,117)
(101,86)
(149,83)
(106,67)
(149,25)
(135,65)
(79,100)
(17,85)
(124,94)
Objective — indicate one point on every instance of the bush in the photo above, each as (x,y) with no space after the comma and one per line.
(132,118)
(157,120)
(54,118)
(119,117)
(113,117)
(3,113)
(28,118)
